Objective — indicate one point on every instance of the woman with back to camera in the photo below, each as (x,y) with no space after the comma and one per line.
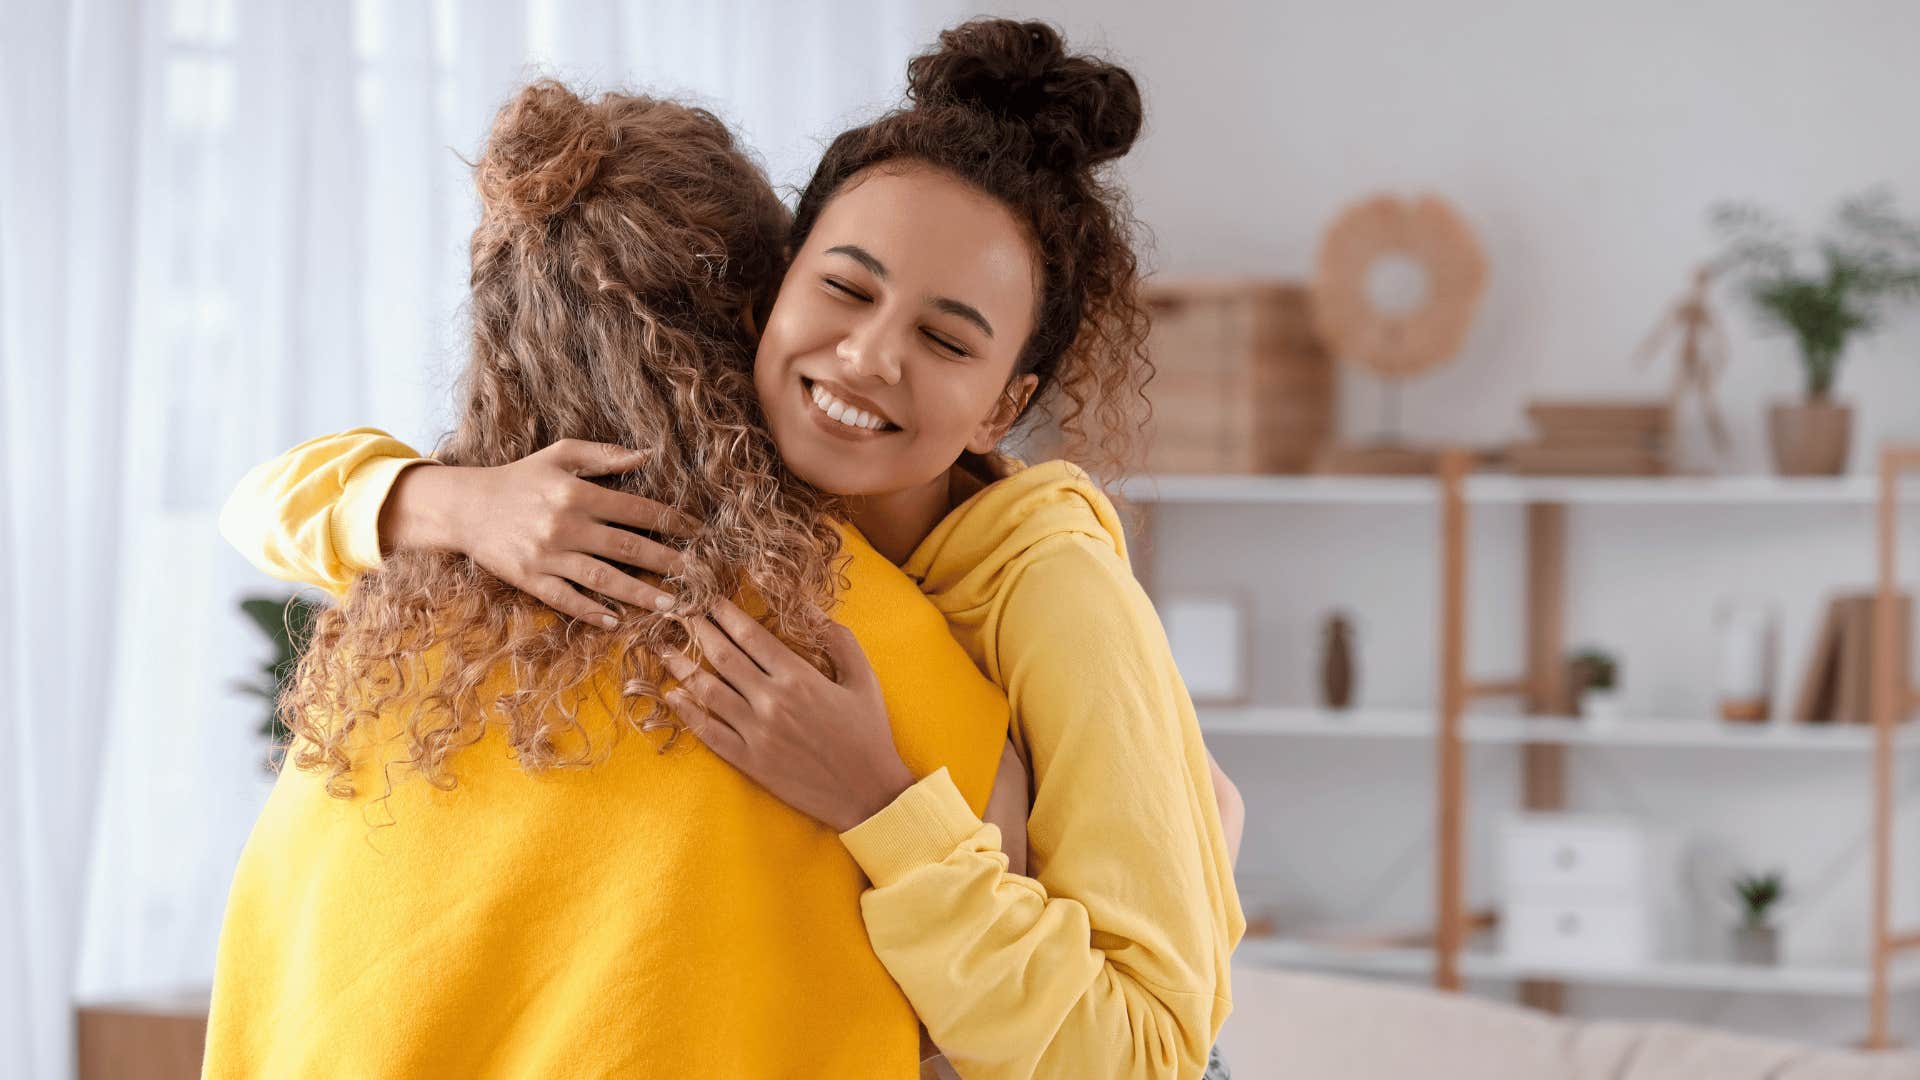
(957,262)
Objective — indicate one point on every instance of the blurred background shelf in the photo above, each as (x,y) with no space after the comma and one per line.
(1482,728)
(1761,490)
(1723,977)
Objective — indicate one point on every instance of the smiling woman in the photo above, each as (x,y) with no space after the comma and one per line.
(909,305)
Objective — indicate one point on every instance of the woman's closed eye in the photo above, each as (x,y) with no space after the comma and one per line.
(942,342)
(847,290)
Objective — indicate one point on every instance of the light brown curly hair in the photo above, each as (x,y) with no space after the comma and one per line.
(627,248)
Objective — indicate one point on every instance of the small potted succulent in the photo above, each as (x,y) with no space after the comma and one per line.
(1594,676)
(287,624)
(1825,292)
(1757,940)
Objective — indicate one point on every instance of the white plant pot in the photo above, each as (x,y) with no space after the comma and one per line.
(1757,945)
(1600,707)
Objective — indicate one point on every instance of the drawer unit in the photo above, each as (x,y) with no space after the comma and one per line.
(1588,891)
(1575,859)
(1574,935)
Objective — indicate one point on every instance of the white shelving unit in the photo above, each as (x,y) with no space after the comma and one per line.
(1823,980)
(1490,727)
(1175,489)
(1499,729)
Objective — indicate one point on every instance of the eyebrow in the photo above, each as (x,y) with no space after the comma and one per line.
(964,311)
(953,307)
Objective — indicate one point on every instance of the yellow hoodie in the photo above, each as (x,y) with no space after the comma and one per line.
(655,915)
(1113,960)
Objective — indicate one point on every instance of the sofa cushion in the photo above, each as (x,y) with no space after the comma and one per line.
(1288,1025)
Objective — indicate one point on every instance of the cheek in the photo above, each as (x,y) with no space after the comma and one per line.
(959,399)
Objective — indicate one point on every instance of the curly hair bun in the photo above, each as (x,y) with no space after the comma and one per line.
(545,149)
(1081,111)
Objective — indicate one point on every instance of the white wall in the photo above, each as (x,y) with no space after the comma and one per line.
(1584,143)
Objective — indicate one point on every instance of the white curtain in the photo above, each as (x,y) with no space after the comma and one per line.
(225,226)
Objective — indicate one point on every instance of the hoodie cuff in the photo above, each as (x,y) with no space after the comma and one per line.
(923,825)
(354,527)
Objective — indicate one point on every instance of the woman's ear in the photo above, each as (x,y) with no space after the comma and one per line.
(1006,409)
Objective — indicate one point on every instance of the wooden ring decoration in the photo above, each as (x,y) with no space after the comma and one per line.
(1427,233)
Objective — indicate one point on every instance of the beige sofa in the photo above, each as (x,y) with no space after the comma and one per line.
(1289,1026)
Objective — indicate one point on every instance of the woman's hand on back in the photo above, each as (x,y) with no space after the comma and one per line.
(822,746)
(539,526)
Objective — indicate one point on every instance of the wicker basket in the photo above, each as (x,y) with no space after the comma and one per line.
(1243,384)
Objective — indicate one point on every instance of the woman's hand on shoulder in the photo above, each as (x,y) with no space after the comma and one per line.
(539,526)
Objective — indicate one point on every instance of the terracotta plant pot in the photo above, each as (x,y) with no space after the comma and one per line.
(1810,438)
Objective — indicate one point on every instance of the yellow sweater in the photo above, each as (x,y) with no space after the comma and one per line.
(1111,961)
(652,916)
(1114,959)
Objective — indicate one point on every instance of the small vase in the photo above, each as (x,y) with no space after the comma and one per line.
(1756,944)
(1337,672)
(1744,629)
(1810,438)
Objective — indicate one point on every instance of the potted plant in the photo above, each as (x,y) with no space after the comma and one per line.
(1824,292)
(287,622)
(1757,940)
(1594,676)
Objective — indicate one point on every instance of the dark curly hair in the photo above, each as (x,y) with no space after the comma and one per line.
(626,248)
(1001,105)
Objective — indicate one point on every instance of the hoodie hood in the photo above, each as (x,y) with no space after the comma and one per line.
(979,547)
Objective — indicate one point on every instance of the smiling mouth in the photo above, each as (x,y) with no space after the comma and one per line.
(842,413)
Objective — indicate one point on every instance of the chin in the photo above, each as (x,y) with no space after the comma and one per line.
(832,477)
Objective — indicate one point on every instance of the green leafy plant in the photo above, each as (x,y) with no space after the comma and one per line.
(1826,289)
(287,622)
(1758,893)
(1595,669)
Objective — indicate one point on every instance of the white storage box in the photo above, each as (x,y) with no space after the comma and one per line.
(1588,891)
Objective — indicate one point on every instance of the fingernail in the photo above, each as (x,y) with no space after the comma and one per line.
(663,602)
(609,621)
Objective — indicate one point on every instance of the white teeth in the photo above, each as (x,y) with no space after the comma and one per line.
(843,412)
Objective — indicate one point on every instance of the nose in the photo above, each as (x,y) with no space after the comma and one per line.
(868,350)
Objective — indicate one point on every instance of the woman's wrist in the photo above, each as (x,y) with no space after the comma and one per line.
(422,509)
(886,790)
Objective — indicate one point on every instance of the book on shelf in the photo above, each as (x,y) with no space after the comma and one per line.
(1837,686)
(1542,459)
(1595,439)
(1819,687)
(1626,419)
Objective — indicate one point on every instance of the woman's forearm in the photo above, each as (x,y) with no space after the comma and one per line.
(422,509)
(333,508)
(311,514)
